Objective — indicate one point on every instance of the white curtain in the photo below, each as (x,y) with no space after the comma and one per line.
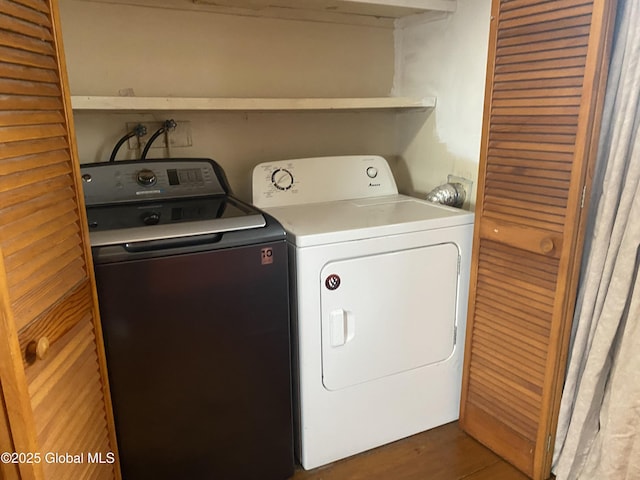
(598,436)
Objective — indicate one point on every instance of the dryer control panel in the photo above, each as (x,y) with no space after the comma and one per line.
(321,179)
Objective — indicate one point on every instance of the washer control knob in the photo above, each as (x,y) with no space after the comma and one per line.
(146,177)
(150,218)
(372,172)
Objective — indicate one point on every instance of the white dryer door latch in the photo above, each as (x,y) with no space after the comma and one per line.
(342,328)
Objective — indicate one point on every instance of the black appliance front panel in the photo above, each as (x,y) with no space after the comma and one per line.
(198,355)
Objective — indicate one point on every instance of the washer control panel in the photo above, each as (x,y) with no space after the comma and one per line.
(130,181)
(321,179)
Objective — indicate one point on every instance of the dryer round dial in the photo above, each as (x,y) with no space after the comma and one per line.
(282,179)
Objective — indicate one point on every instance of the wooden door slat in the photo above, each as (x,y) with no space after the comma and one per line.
(20,87)
(548,160)
(531,265)
(562,34)
(494,406)
(498,188)
(13,118)
(509,388)
(527,361)
(37,267)
(538,92)
(30,306)
(31,74)
(567,25)
(519,344)
(39,5)
(11,198)
(520,365)
(538,83)
(24,102)
(527,171)
(535,111)
(561,46)
(60,402)
(520,277)
(528,9)
(536,299)
(33,176)
(43,376)
(496,296)
(532,147)
(25,43)
(33,147)
(26,12)
(27,59)
(554,229)
(530,128)
(536,102)
(36,217)
(547,58)
(492,308)
(24,164)
(541,206)
(521,178)
(29,29)
(13,217)
(540,74)
(532,66)
(540,20)
(534,138)
(481,393)
(31,132)
(60,319)
(544,91)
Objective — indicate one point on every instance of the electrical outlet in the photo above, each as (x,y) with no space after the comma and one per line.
(178,137)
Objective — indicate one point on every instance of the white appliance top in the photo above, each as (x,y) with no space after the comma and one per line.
(337,199)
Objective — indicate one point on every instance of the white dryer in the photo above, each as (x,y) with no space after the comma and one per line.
(380,283)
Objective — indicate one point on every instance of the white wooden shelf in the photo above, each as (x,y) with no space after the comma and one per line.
(141,104)
(368,12)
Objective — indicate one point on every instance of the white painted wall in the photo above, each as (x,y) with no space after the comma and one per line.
(163,52)
(112,48)
(445,58)
(168,52)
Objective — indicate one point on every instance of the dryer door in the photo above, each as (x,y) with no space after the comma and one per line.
(387,313)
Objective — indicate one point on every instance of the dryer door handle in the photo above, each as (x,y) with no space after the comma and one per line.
(342,327)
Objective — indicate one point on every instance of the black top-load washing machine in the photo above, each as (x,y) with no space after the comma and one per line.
(193,294)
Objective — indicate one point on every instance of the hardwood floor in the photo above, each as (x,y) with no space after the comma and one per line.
(444,453)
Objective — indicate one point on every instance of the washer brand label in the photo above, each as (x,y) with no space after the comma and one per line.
(147,192)
(267,256)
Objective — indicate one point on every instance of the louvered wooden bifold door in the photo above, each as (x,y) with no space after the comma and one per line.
(51,360)
(545,84)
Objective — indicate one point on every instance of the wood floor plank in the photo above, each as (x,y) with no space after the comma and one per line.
(443,453)
(498,471)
